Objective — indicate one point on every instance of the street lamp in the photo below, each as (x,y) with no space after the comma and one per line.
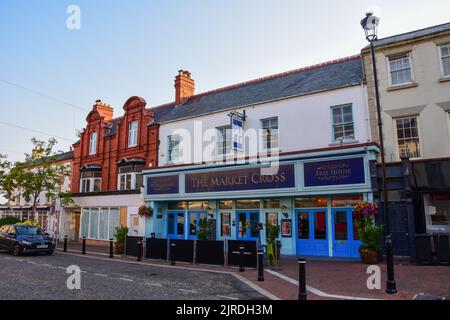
(370,26)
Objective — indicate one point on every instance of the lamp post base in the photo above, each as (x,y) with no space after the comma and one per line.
(391,286)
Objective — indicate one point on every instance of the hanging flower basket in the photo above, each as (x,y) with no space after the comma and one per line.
(145,211)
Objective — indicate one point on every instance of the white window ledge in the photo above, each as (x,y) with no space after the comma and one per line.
(444,79)
(345,142)
(402,86)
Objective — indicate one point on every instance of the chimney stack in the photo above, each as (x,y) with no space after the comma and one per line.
(184,86)
(104,109)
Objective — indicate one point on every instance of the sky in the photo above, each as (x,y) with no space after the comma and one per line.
(51,75)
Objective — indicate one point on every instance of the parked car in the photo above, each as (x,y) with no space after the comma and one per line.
(21,239)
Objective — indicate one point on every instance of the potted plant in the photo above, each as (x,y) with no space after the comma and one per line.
(273,231)
(145,211)
(369,233)
(121,236)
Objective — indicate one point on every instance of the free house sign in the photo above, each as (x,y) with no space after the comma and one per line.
(334,172)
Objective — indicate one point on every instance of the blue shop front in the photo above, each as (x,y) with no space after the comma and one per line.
(309,196)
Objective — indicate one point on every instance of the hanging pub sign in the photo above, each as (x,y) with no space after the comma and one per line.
(334,172)
(237,131)
(240,180)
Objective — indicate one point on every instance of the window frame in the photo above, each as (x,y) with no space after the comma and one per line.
(419,136)
(263,146)
(93,143)
(333,125)
(441,62)
(411,68)
(88,211)
(168,150)
(91,180)
(226,151)
(133,134)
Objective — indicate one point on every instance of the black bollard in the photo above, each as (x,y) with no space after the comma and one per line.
(241,259)
(83,247)
(172,254)
(301,279)
(260,265)
(111,248)
(65,243)
(139,251)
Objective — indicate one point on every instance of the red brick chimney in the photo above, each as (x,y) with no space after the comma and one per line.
(104,109)
(184,86)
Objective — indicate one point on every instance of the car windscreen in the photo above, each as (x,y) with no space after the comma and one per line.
(28,230)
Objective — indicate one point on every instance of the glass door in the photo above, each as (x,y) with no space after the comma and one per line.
(246,227)
(194,223)
(312,235)
(175,225)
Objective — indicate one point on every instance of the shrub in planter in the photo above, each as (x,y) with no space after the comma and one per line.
(273,232)
(369,232)
(121,236)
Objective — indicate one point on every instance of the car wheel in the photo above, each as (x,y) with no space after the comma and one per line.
(17,251)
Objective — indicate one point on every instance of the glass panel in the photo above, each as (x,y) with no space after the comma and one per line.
(247,204)
(192,224)
(85,223)
(226,204)
(271,219)
(254,220)
(114,221)
(271,203)
(225,225)
(340,225)
(303,225)
(93,232)
(446,66)
(346,200)
(126,169)
(103,232)
(171,229)
(311,202)
(320,225)
(440,209)
(128,181)
(180,229)
(197,205)
(139,181)
(97,185)
(179,205)
(121,182)
(242,225)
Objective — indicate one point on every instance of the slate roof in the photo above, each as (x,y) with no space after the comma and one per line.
(412,35)
(327,76)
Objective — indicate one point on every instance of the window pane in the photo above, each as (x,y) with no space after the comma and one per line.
(340,225)
(247,204)
(180,229)
(311,202)
(176,205)
(303,225)
(93,233)
(85,223)
(114,221)
(197,205)
(346,201)
(242,225)
(171,229)
(226,204)
(97,185)
(446,66)
(225,230)
(193,224)
(254,220)
(320,225)
(103,232)
(139,181)
(271,203)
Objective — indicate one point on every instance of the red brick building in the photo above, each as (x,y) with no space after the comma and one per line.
(107,164)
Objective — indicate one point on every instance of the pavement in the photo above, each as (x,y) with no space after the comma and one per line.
(45,278)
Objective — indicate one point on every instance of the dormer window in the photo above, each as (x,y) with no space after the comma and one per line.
(130,177)
(91,181)
(133,134)
(93,143)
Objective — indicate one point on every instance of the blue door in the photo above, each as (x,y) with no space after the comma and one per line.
(345,237)
(247,222)
(175,225)
(312,234)
(194,227)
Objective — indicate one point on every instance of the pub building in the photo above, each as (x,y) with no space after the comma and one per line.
(314,119)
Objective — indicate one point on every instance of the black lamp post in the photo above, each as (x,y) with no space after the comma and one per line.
(370,26)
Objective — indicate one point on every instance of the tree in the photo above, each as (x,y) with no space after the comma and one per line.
(41,172)
(7,178)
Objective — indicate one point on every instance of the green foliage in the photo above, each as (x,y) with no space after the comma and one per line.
(204,229)
(8,220)
(121,234)
(369,233)
(273,232)
(32,223)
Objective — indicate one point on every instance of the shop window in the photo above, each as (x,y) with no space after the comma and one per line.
(226,204)
(99,223)
(311,202)
(271,203)
(197,205)
(225,230)
(346,201)
(438,211)
(176,205)
(247,204)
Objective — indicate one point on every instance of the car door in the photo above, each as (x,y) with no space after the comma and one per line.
(3,236)
(10,238)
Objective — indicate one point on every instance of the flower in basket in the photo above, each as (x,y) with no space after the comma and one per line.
(145,211)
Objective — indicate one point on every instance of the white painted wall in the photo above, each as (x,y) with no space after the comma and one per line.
(304,122)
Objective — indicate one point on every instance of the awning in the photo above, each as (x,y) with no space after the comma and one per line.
(431,175)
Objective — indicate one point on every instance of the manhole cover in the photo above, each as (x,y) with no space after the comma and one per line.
(423,296)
